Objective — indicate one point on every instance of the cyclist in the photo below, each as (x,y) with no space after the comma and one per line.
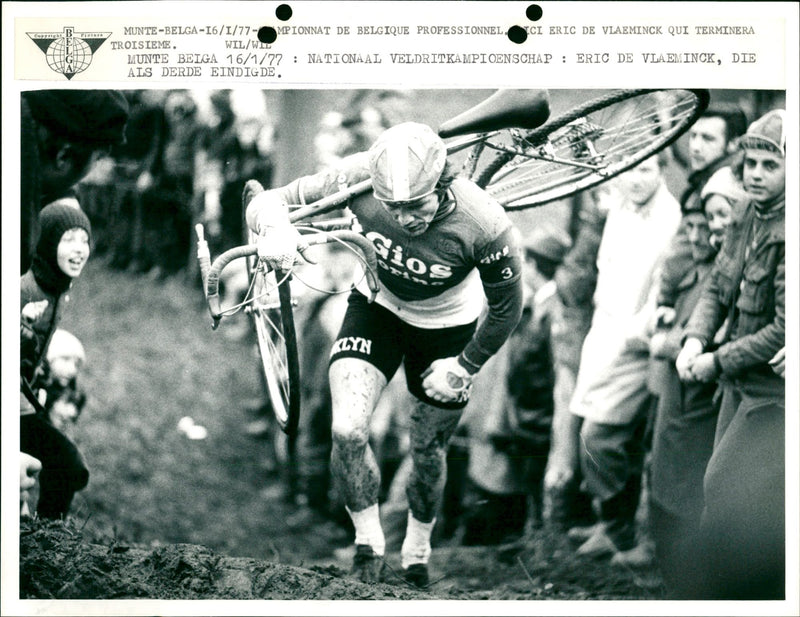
(442,245)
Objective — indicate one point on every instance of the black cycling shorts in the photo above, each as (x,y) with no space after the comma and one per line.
(376,335)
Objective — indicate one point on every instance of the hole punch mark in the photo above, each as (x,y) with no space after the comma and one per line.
(283,12)
(267,34)
(534,12)
(517,34)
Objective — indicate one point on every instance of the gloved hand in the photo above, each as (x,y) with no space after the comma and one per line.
(447,381)
(278,240)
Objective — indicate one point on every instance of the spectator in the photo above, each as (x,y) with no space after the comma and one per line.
(123,219)
(61,253)
(576,277)
(611,392)
(712,145)
(63,132)
(742,526)
(168,189)
(686,415)
(64,400)
(507,458)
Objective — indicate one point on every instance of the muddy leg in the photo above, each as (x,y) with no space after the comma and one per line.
(355,388)
(431,428)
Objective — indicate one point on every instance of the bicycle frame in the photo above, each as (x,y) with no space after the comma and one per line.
(211,272)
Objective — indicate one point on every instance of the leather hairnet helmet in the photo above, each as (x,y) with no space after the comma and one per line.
(405,162)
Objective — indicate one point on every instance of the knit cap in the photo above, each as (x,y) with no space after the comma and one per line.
(54,220)
(406,162)
(64,344)
(95,117)
(767,133)
(724,183)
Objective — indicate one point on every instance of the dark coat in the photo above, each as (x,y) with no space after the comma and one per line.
(686,416)
(35,335)
(750,292)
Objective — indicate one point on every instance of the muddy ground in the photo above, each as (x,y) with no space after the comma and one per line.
(169,517)
(57,562)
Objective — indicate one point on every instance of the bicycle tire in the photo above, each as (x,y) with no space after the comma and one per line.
(276,340)
(519,183)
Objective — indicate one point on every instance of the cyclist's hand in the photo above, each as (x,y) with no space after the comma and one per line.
(278,247)
(447,381)
(278,240)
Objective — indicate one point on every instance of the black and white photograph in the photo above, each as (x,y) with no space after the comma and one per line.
(332,342)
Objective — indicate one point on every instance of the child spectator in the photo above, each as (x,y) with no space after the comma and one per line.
(61,253)
(64,400)
(62,134)
(743,522)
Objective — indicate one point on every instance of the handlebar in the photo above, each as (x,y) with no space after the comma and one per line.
(211,272)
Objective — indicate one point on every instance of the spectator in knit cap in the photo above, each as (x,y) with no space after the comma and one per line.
(743,544)
(510,431)
(686,414)
(62,134)
(722,198)
(65,399)
(61,253)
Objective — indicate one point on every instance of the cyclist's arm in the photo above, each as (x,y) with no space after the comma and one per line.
(500,269)
(308,189)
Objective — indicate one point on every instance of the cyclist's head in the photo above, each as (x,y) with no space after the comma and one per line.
(406,162)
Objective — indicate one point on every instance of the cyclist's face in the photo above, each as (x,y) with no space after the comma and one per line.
(413,216)
(707,142)
(73,251)
(763,175)
(642,181)
(718,212)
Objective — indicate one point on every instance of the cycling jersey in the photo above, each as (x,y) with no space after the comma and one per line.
(433,280)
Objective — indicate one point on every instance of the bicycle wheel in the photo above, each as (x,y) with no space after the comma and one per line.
(588,145)
(273,321)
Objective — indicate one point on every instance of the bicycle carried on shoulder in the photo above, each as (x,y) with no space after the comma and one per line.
(520,160)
